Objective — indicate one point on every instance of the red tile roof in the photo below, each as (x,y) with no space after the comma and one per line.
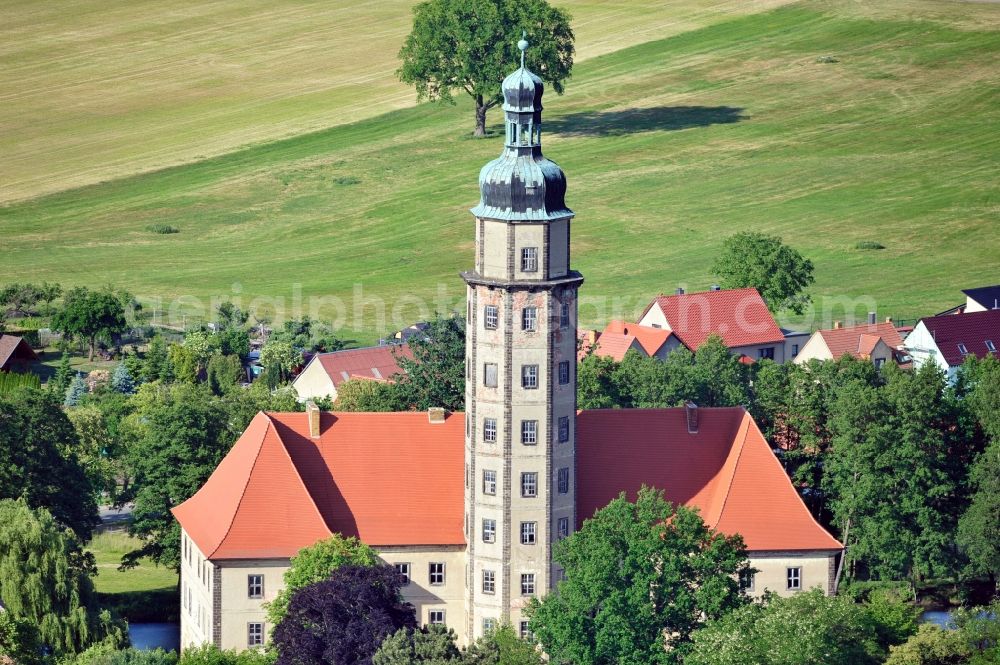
(739,316)
(860,340)
(619,336)
(970,329)
(374,362)
(613,345)
(397,479)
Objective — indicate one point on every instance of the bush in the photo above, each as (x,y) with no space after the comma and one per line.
(209,654)
(346,180)
(103,654)
(868,244)
(163,229)
(13,381)
(827,59)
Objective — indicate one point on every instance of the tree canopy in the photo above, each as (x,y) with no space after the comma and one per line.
(778,272)
(471,45)
(344,619)
(435,376)
(640,577)
(92,315)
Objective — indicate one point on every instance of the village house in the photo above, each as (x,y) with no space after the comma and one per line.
(878,342)
(325,371)
(468,506)
(948,339)
(980,299)
(16,355)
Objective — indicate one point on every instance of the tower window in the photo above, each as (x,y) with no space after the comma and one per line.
(529,432)
(490,375)
(529,484)
(563,527)
(563,429)
(529,259)
(529,376)
(403,570)
(490,430)
(527,584)
(563,481)
(564,372)
(489,482)
(489,581)
(490,317)
(436,574)
(528,530)
(564,315)
(489,531)
(529,319)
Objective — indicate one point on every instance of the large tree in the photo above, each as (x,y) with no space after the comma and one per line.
(39,460)
(776,270)
(92,315)
(471,45)
(435,376)
(979,526)
(431,645)
(316,563)
(45,578)
(343,620)
(640,577)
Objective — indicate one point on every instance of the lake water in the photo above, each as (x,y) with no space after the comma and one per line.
(937,617)
(166,636)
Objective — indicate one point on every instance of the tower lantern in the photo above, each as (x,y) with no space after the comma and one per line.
(521,379)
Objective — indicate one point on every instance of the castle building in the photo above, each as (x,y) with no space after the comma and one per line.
(471,528)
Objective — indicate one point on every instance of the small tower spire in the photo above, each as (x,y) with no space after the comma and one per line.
(523,45)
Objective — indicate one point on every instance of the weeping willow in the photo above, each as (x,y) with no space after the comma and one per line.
(45,577)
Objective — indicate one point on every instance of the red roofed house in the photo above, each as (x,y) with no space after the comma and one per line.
(878,342)
(619,337)
(739,316)
(947,339)
(325,371)
(469,506)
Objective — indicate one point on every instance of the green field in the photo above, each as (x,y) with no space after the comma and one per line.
(828,123)
(144,593)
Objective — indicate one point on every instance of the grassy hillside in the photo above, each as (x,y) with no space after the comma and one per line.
(821,122)
(92,90)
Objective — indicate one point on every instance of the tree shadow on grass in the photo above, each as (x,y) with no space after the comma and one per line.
(632,121)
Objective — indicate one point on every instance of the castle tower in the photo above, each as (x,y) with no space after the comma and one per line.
(521,370)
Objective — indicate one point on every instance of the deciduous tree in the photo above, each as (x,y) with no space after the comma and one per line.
(471,45)
(435,376)
(778,272)
(92,315)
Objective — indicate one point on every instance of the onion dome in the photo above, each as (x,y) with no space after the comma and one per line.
(521,184)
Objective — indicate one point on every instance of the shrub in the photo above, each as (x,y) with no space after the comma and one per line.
(346,180)
(163,229)
(868,244)
(14,381)
(827,59)
(103,654)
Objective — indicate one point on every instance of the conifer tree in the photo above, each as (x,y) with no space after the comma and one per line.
(121,380)
(77,389)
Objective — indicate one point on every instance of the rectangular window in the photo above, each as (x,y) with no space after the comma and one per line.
(490,375)
(962,349)
(563,429)
(529,259)
(529,319)
(747,581)
(529,432)
(529,376)
(563,527)
(564,315)
(489,581)
(435,616)
(436,574)
(525,631)
(255,634)
(491,317)
(489,530)
(403,570)
(563,372)
(490,430)
(794,576)
(990,346)
(255,586)
(879,362)
(766,353)
(527,584)
(529,484)
(489,623)
(563,483)
(795,350)
(489,482)
(528,533)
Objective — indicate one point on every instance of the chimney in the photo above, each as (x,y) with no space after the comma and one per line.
(691,411)
(312,414)
(837,325)
(435,414)
(679,291)
(871,318)
(715,287)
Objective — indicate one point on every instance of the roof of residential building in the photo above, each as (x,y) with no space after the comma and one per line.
(987,296)
(11,345)
(397,479)
(860,340)
(969,331)
(739,316)
(372,362)
(618,337)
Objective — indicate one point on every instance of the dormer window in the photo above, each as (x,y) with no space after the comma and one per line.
(961,349)
(990,346)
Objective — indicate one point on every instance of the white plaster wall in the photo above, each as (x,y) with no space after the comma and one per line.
(815,348)
(196,594)
(817,571)
(238,608)
(314,382)
(922,348)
